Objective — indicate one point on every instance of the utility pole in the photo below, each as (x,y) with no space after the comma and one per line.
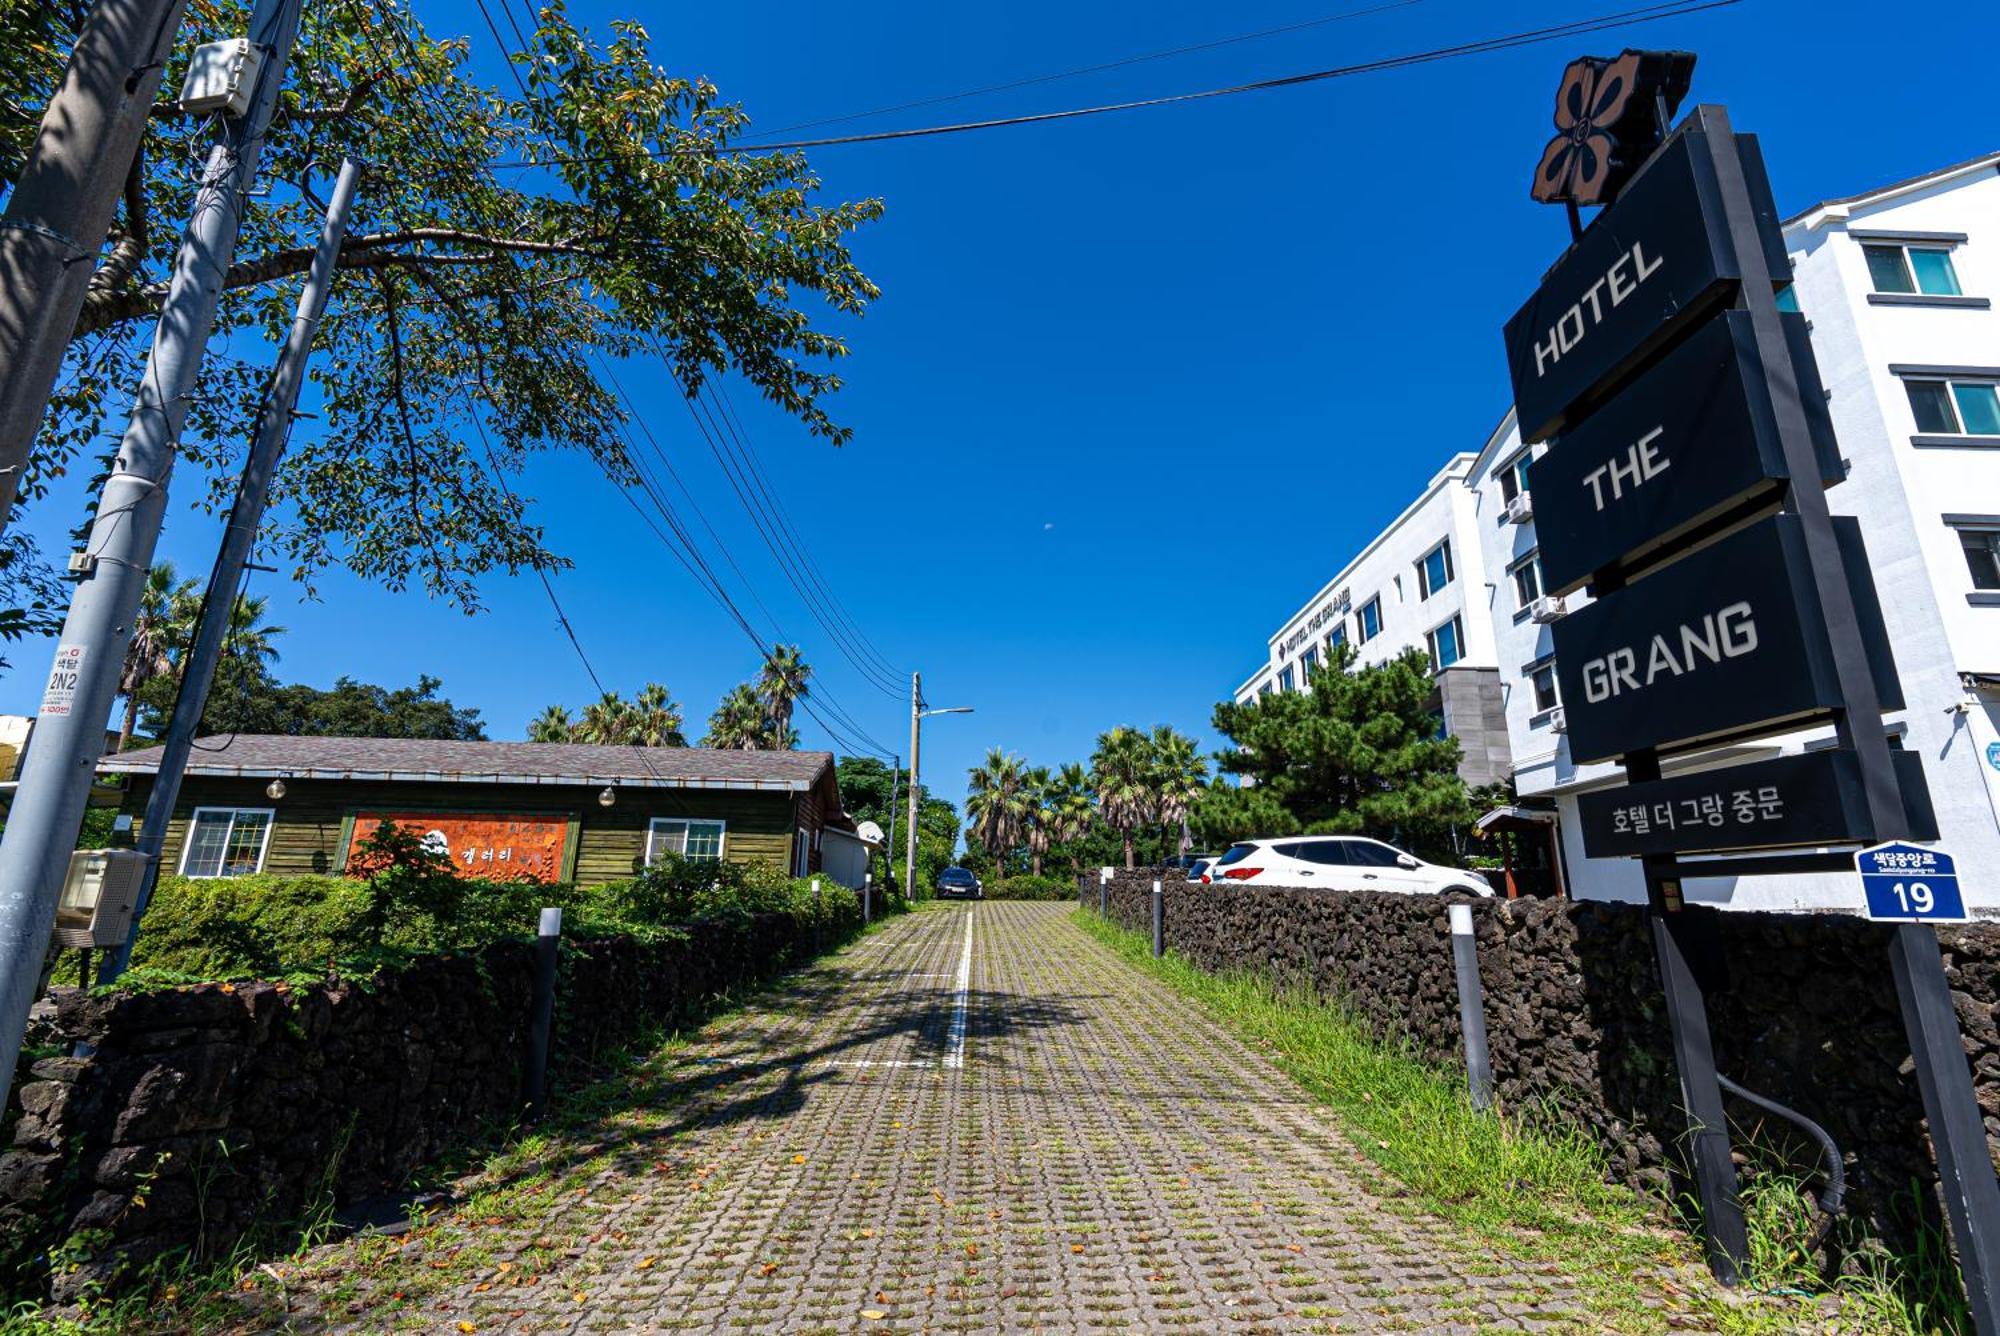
(61,208)
(274,428)
(56,777)
(916,729)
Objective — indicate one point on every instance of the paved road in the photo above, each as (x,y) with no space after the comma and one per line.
(976,1120)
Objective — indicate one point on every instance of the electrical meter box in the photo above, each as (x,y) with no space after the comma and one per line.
(222,76)
(98,897)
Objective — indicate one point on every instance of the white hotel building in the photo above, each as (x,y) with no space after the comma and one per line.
(1899,286)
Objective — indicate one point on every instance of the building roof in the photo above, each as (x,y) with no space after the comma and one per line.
(1985,162)
(260,756)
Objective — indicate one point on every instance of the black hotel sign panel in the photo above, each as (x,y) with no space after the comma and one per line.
(1785,802)
(1726,641)
(1684,441)
(1644,268)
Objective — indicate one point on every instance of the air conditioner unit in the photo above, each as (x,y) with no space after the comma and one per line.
(222,76)
(1520,509)
(1557,722)
(1545,609)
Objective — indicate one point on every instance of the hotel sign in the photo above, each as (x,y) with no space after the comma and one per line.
(1724,642)
(1686,441)
(1786,802)
(1646,268)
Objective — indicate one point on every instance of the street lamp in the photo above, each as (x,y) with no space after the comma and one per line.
(917,716)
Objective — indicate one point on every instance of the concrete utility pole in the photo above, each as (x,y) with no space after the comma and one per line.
(274,428)
(69,730)
(916,730)
(61,208)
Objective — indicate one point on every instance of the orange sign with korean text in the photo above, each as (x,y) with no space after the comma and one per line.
(485,846)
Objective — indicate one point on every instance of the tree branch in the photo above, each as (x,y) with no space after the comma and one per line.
(356,95)
(124,259)
(106,307)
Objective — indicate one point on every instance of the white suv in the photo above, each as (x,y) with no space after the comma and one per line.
(1338,863)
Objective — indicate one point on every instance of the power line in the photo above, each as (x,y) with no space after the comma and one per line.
(1530,37)
(1099,68)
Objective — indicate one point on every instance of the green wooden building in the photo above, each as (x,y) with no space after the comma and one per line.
(540,811)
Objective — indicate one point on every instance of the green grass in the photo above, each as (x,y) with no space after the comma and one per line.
(1528,1187)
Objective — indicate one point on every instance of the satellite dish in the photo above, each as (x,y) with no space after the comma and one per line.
(869,832)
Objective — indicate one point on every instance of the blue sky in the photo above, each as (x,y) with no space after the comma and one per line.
(1137,384)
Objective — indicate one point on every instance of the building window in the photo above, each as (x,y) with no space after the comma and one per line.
(1982,556)
(1434,571)
(226,842)
(1336,638)
(1911,269)
(1311,660)
(1542,678)
(1447,645)
(1528,581)
(1285,678)
(1370,620)
(1955,407)
(696,841)
(1514,477)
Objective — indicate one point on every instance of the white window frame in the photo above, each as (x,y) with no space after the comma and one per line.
(1424,586)
(1533,561)
(1513,475)
(1362,634)
(1456,622)
(270,815)
(1531,672)
(653,851)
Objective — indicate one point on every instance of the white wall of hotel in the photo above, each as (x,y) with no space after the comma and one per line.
(1918,494)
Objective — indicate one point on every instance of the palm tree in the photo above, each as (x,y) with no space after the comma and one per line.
(551,725)
(157,637)
(738,722)
(1068,808)
(1036,815)
(997,802)
(249,639)
(1179,775)
(607,721)
(1122,770)
(656,720)
(781,686)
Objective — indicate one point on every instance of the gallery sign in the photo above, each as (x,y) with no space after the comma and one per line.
(1645,268)
(1692,438)
(483,846)
(1786,802)
(1722,642)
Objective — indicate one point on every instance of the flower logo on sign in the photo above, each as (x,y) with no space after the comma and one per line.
(1607,121)
(1577,163)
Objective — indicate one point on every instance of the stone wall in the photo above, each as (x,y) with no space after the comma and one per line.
(206,1112)
(1802,1008)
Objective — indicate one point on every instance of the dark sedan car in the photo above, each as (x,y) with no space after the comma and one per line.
(958,883)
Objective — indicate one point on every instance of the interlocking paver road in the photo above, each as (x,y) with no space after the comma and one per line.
(977,1119)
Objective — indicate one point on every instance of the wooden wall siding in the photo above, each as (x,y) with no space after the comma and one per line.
(306,836)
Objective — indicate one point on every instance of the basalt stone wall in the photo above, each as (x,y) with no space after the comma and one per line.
(1802,1009)
(207,1111)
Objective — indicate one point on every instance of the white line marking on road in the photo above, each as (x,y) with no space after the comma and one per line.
(878,1062)
(954,1044)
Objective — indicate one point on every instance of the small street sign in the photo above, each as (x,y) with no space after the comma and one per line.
(1813,798)
(1693,437)
(1993,754)
(1906,883)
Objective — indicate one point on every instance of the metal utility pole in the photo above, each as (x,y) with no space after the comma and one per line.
(56,777)
(61,208)
(274,428)
(916,739)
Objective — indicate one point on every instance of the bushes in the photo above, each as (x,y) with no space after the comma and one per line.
(269,926)
(1031,888)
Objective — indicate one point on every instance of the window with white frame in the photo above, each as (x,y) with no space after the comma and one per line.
(1911,270)
(1528,580)
(1954,407)
(1542,681)
(1370,619)
(1286,681)
(695,840)
(1514,476)
(1447,644)
(226,841)
(1335,639)
(1310,659)
(1434,571)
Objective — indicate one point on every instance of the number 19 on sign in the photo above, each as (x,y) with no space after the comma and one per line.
(1906,883)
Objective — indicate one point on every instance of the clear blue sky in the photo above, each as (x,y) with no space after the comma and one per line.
(1136,384)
